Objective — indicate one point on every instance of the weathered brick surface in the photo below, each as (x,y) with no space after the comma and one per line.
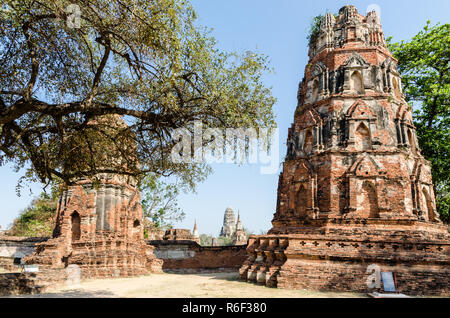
(14,248)
(344,276)
(31,283)
(188,256)
(179,235)
(100,230)
(354,186)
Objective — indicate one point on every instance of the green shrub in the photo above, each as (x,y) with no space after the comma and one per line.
(36,220)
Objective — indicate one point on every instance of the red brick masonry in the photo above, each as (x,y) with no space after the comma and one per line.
(355,189)
(188,256)
(100,229)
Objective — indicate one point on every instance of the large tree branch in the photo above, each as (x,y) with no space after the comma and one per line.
(34,62)
(22,107)
(106,42)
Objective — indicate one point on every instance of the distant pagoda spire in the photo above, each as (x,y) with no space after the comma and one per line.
(239,236)
(195,230)
(229,223)
(239,223)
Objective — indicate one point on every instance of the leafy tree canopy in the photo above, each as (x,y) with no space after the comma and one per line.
(424,63)
(145,62)
(206,240)
(38,219)
(159,201)
(314,29)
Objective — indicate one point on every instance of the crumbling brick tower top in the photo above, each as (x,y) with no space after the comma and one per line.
(352,149)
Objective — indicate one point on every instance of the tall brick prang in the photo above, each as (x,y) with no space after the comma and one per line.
(355,189)
(229,223)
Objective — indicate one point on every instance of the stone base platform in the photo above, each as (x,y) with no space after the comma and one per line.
(336,257)
(31,283)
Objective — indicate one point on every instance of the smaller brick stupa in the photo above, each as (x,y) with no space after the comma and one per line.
(239,236)
(99,227)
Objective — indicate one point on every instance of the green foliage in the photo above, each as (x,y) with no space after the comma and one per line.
(224,241)
(314,29)
(424,63)
(206,240)
(145,61)
(38,219)
(159,199)
(443,204)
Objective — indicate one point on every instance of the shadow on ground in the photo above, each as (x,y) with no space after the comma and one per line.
(231,277)
(75,293)
(227,276)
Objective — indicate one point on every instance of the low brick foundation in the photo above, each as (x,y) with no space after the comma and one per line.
(339,262)
(14,248)
(190,257)
(326,275)
(101,258)
(31,283)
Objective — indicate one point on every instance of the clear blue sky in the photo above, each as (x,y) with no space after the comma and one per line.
(278,30)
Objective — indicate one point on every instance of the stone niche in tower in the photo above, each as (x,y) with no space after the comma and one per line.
(356,73)
(302,200)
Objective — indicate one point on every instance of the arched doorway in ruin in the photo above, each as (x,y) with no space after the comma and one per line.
(308,144)
(428,206)
(76,226)
(136,228)
(368,201)
(302,202)
(356,83)
(362,138)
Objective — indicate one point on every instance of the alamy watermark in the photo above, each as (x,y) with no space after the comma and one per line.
(231,145)
(374,279)
(74,18)
(73,273)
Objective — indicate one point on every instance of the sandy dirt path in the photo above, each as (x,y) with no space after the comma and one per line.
(180,285)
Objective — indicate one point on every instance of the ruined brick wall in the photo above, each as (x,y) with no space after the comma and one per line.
(99,228)
(178,235)
(31,283)
(13,247)
(348,276)
(339,261)
(188,256)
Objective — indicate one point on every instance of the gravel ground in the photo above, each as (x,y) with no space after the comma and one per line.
(181,286)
